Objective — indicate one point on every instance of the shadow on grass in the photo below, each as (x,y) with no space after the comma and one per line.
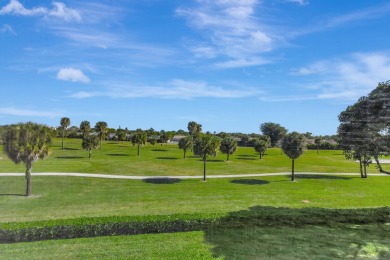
(71,149)
(247,155)
(167,158)
(69,157)
(212,160)
(117,154)
(249,182)
(160,150)
(247,158)
(13,195)
(276,233)
(162,180)
(320,176)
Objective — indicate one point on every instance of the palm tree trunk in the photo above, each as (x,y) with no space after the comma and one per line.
(228,157)
(139,148)
(204,169)
(63,135)
(260,156)
(361,168)
(89,153)
(28,178)
(292,171)
(184,153)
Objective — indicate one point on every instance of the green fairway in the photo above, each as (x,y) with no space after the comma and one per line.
(165,160)
(70,197)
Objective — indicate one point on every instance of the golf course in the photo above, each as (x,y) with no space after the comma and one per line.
(327,212)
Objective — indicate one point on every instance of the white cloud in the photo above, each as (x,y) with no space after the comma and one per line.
(59,10)
(232,30)
(348,78)
(299,2)
(22,112)
(6,28)
(175,89)
(73,75)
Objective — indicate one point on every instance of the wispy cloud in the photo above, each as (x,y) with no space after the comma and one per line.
(299,2)
(73,75)
(233,33)
(10,111)
(347,78)
(58,10)
(175,89)
(374,12)
(7,28)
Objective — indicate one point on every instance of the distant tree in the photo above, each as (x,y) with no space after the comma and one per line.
(274,131)
(228,146)
(194,128)
(85,128)
(166,136)
(27,143)
(65,123)
(101,129)
(89,143)
(261,144)
(293,145)
(317,142)
(185,143)
(206,145)
(121,134)
(139,138)
(152,140)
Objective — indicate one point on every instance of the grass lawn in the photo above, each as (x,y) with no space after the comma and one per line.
(121,158)
(306,242)
(70,197)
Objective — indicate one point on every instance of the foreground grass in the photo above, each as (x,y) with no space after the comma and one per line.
(72,197)
(249,242)
(165,160)
(189,245)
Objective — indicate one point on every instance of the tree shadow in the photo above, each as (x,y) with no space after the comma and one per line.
(159,150)
(249,182)
(13,195)
(162,180)
(321,176)
(71,149)
(167,158)
(246,159)
(246,155)
(69,157)
(117,154)
(263,232)
(214,160)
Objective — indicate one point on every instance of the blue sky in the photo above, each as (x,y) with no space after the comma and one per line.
(229,65)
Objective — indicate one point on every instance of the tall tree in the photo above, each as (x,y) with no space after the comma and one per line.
(89,143)
(261,144)
(185,143)
(121,134)
(206,145)
(194,128)
(139,137)
(101,129)
(317,142)
(166,136)
(85,128)
(27,143)
(293,145)
(65,123)
(228,146)
(274,131)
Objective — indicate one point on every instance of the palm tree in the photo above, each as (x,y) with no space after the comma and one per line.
(261,144)
(228,146)
(204,146)
(139,137)
(65,123)
(293,145)
(27,143)
(101,129)
(185,144)
(85,127)
(90,142)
